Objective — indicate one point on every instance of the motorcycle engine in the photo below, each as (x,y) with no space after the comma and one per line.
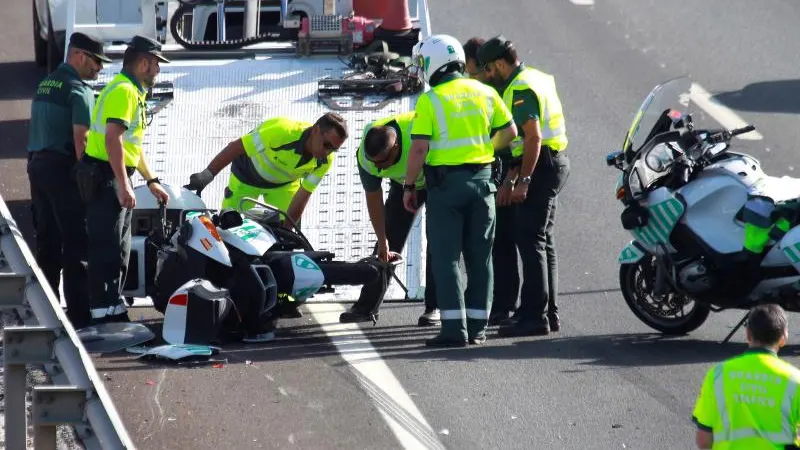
(695,277)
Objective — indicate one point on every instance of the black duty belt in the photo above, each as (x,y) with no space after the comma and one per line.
(105,166)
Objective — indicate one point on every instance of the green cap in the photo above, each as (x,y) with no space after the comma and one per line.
(493,49)
(146,45)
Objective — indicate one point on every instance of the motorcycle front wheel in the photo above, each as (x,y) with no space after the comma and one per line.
(669,315)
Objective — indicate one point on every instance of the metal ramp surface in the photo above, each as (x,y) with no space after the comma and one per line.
(217,101)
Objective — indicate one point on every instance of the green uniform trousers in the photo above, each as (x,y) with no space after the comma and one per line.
(280,197)
(461,218)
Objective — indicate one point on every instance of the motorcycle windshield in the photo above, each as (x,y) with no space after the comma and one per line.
(667,101)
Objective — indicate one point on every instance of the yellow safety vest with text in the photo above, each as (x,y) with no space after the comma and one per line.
(276,149)
(551,114)
(751,402)
(458,116)
(396,172)
(123,102)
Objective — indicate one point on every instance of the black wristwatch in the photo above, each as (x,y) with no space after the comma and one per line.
(154,180)
(408,187)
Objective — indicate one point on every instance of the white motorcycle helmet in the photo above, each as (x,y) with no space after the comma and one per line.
(436,52)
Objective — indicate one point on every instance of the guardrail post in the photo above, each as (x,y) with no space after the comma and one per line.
(22,346)
(52,406)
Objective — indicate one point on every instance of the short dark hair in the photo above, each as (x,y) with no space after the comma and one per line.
(376,141)
(509,54)
(130,58)
(767,323)
(471,47)
(332,120)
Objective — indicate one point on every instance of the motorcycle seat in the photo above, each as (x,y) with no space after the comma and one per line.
(315,255)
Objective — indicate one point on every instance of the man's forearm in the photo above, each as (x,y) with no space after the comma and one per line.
(416,158)
(503,138)
(532,146)
(143,169)
(115,158)
(226,156)
(298,204)
(80,135)
(376,213)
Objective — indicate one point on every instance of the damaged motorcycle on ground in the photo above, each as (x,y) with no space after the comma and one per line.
(221,276)
(711,230)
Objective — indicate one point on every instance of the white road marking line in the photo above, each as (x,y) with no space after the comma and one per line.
(582,2)
(721,113)
(375,377)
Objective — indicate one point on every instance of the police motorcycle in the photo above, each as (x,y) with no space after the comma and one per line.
(688,201)
(226,275)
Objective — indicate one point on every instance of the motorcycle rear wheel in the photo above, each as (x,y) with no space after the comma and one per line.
(668,315)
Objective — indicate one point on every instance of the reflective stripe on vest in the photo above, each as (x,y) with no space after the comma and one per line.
(132,138)
(264,166)
(786,435)
(463,112)
(551,116)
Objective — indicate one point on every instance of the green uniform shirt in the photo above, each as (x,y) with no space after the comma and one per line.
(62,100)
(525,104)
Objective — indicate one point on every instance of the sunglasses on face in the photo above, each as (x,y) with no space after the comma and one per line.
(328,145)
(93,58)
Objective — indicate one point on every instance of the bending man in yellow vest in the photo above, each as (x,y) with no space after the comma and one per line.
(283,161)
(534,186)
(383,154)
(751,401)
(113,154)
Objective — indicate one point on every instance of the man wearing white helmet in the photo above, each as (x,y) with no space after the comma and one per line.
(451,137)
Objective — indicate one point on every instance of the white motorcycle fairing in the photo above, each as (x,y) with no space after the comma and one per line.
(206,239)
(249,237)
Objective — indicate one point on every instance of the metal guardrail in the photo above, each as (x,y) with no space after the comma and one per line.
(78,395)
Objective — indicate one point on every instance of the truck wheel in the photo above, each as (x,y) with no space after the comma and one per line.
(55,54)
(39,43)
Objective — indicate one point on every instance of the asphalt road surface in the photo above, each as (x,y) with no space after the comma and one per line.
(606,380)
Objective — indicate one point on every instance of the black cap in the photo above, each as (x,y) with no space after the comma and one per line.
(493,49)
(89,44)
(146,45)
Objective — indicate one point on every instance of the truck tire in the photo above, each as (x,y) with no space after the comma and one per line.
(39,43)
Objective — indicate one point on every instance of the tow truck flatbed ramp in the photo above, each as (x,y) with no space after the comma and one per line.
(219,96)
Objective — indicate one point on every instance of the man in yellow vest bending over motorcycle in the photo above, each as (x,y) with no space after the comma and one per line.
(283,161)
(383,154)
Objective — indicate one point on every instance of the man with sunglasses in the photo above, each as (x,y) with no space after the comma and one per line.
(532,97)
(283,160)
(113,153)
(383,154)
(60,118)
(504,250)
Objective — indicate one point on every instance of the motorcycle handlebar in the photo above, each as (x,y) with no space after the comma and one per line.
(743,130)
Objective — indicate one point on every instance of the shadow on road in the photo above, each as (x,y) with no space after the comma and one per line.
(20,79)
(299,340)
(778,96)
(13,138)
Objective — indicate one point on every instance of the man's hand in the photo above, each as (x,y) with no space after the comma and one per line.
(159,193)
(383,251)
(519,193)
(125,195)
(410,201)
(504,194)
(198,181)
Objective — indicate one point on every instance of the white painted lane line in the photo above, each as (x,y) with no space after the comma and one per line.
(582,2)
(721,113)
(377,380)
